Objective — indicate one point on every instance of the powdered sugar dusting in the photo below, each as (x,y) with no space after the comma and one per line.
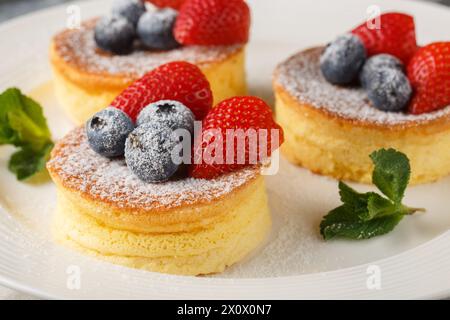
(78,48)
(301,77)
(81,169)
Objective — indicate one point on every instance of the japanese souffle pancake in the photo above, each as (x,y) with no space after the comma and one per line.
(92,64)
(124,197)
(331,130)
(339,103)
(86,79)
(184,226)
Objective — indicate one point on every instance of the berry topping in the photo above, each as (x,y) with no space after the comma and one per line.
(129,9)
(213,22)
(115,34)
(392,33)
(148,153)
(377,62)
(175,4)
(169,114)
(429,73)
(388,89)
(155,29)
(235,116)
(180,81)
(342,59)
(107,131)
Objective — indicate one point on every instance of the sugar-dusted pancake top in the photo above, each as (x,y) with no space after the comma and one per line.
(301,77)
(77,48)
(78,168)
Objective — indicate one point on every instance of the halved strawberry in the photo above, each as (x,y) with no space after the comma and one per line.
(213,22)
(179,80)
(175,4)
(395,34)
(429,74)
(217,149)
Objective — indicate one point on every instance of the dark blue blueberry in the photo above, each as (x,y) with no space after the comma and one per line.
(148,153)
(132,10)
(155,29)
(169,114)
(107,131)
(342,59)
(389,89)
(377,62)
(115,34)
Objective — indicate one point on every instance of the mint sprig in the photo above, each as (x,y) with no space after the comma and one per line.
(366,215)
(23,125)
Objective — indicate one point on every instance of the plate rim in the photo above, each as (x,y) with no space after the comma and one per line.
(38,292)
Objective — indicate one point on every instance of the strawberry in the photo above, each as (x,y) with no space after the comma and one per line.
(179,80)
(175,4)
(396,35)
(236,113)
(213,22)
(429,74)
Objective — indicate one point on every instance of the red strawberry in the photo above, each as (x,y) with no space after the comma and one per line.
(395,35)
(429,74)
(175,4)
(236,113)
(213,22)
(180,81)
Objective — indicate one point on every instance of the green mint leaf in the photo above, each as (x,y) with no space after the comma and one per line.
(22,121)
(22,124)
(339,223)
(378,206)
(335,221)
(366,215)
(26,162)
(365,206)
(391,173)
(356,202)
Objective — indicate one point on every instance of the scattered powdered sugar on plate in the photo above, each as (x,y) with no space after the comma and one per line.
(83,170)
(301,77)
(77,47)
(289,251)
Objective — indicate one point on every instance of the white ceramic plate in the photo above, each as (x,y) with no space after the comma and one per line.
(412,262)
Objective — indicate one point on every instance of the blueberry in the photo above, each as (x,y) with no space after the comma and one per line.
(148,153)
(167,113)
(342,59)
(389,89)
(129,9)
(107,131)
(115,34)
(376,62)
(155,29)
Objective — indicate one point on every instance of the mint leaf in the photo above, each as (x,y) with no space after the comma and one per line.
(26,162)
(355,201)
(366,215)
(22,121)
(340,224)
(391,173)
(365,206)
(378,206)
(22,124)
(337,221)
